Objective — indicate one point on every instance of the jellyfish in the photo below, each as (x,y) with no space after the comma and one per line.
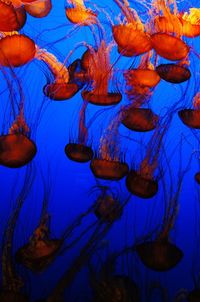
(130,35)
(16,49)
(190,22)
(100,72)
(77,74)
(173,73)
(161,254)
(142,182)
(191,117)
(77,13)
(16,147)
(61,88)
(80,151)
(166,39)
(12,283)
(108,163)
(140,85)
(12,18)
(38,8)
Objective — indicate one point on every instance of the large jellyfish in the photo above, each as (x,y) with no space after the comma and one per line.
(130,35)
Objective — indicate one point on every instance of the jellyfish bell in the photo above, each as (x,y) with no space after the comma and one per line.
(16,50)
(159,255)
(173,73)
(11,18)
(79,14)
(169,47)
(131,41)
(16,150)
(60,91)
(140,185)
(108,208)
(140,119)
(79,152)
(38,8)
(143,77)
(107,99)
(197,177)
(190,22)
(191,117)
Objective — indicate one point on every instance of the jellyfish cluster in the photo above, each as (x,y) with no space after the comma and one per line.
(99,151)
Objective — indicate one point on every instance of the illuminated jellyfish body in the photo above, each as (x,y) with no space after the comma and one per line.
(100,73)
(108,163)
(61,88)
(141,182)
(12,284)
(160,254)
(37,8)
(140,84)
(130,35)
(12,18)
(191,117)
(16,147)
(173,73)
(79,151)
(190,22)
(108,207)
(41,250)
(167,29)
(16,49)
(77,13)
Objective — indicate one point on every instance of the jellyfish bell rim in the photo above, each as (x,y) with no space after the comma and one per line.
(78,152)
(60,91)
(114,213)
(149,248)
(190,117)
(124,48)
(159,41)
(36,263)
(99,168)
(110,99)
(144,77)
(180,74)
(16,163)
(133,179)
(149,117)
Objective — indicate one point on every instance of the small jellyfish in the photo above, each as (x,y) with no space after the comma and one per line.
(16,147)
(108,164)
(80,151)
(77,13)
(100,72)
(130,35)
(61,88)
(167,30)
(191,117)
(190,22)
(16,49)
(11,18)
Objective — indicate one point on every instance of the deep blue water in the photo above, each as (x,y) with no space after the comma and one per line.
(70,188)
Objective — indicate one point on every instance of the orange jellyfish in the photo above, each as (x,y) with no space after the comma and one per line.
(142,182)
(77,13)
(109,164)
(130,36)
(160,254)
(79,151)
(167,30)
(100,72)
(12,284)
(77,74)
(38,8)
(191,117)
(16,147)
(173,73)
(16,49)
(108,207)
(190,22)
(11,18)
(61,88)
(140,85)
